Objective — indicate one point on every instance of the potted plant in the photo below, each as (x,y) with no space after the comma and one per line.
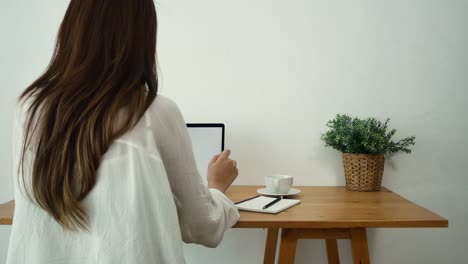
(364,144)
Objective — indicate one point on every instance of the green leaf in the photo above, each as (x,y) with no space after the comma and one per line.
(364,136)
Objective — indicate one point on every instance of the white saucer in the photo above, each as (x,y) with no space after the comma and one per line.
(292,191)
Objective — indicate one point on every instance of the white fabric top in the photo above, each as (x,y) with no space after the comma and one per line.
(148,197)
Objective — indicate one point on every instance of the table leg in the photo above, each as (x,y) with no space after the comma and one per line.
(359,246)
(332,251)
(288,246)
(270,247)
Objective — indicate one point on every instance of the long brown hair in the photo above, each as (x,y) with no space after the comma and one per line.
(104,61)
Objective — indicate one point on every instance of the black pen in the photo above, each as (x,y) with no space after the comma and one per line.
(272,202)
(247,199)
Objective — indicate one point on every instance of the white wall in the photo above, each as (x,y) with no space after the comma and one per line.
(274,72)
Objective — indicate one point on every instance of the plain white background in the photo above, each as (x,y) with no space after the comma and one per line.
(274,72)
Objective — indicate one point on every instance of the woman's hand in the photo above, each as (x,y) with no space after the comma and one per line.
(222,171)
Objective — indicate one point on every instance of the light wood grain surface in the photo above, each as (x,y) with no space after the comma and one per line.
(335,207)
(6,213)
(325,213)
(324,207)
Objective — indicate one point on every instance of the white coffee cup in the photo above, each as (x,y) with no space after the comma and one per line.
(278,184)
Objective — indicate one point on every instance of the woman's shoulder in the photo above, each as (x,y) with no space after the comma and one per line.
(164,102)
(21,111)
(164,106)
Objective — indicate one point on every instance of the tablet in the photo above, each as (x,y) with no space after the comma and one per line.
(207,141)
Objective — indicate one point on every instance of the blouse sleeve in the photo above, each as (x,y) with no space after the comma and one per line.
(204,214)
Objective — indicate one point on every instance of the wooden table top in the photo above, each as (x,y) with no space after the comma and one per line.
(323,207)
(6,213)
(335,207)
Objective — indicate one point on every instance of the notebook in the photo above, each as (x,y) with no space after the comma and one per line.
(256,205)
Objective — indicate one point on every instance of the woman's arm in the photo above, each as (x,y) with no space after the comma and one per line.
(204,214)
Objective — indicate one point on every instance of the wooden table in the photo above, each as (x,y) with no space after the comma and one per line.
(6,213)
(328,213)
(332,213)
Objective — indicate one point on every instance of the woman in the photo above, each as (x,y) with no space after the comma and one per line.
(106,172)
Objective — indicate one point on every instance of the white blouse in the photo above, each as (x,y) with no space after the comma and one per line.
(149,197)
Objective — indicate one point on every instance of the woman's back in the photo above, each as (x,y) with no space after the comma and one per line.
(147,198)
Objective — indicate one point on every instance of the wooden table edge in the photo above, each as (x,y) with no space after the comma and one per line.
(10,207)
(5,221)
(443,223)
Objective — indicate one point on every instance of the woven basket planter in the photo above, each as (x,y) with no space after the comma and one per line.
(363,172)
